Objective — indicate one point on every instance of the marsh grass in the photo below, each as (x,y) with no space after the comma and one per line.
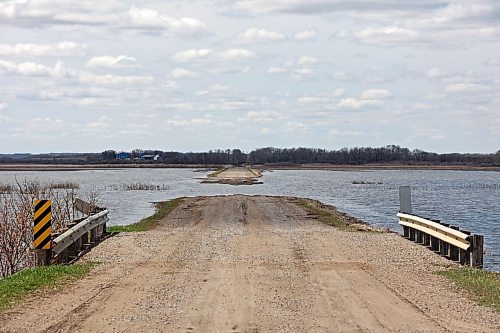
(148,223)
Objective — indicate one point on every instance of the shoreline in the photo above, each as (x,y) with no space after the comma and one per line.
(311,166)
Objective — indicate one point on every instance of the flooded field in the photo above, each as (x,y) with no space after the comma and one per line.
(469,199)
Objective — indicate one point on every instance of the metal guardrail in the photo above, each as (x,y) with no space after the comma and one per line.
(75,233)
(435,229)
(447,240)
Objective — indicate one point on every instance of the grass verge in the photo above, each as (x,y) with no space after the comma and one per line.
(17,286)
(482,286)
(162,210)
(331,216)
(217,172)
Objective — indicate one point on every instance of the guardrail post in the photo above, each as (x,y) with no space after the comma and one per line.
(406,232)
(418,236)
(477,251)
(426,239)
(434,244)
(43,257)
(412,234)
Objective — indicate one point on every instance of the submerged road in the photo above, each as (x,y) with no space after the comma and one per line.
(254,264)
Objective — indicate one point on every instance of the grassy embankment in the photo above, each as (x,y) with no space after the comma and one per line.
(482,286)
(17,286)
(331,216)
(148,223)
(217,172)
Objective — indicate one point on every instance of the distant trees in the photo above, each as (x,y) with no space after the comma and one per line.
(391,154)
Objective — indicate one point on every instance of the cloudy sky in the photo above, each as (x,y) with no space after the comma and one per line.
(196,75)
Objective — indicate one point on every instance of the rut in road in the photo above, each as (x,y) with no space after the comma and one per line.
(236,264)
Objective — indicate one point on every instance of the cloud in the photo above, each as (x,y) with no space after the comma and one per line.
(260,117)
(62,49)
(307,61)
(372,94)
(254,35)
(114,14)
(383,35)
(326,6)
(152,20)
(3,105)
(106,61)
(300,73)
(191,55)
(230,55)
(305,35)
(34,69)
(492,62)
(276,70)
(435,72)
(464,88)
(182,73)
(115,79)
(352,103)
(311,100)
(213,88)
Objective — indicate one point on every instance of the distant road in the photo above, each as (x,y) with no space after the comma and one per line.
(254,264)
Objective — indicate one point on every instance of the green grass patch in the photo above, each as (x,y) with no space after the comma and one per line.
(217,172)
(162,210)
(482,286)
(17,286)
(329,215)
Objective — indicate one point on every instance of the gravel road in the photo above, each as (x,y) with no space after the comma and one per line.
(254,264)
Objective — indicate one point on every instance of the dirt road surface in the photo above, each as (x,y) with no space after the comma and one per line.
(236,176)
(254,264)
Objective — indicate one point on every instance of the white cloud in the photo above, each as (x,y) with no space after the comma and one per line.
(62,49)
(383,35)
(341,75)
(339,92)
(372,94)
(311,99)
(492,62)
(260,117)
(214,88)
(106,61)
(34,69)
(435,73)
(230,55)
(307,61)
(254,35)
(352,103)
(191,55)
(182,73)
(464,88)
(276,70)
(308,34)
(115,79)
(150,19)
(3,105)
(235,55)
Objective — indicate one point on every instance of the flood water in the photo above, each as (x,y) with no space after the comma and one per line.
(468,199)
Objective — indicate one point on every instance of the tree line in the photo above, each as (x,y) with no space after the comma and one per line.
(391,154)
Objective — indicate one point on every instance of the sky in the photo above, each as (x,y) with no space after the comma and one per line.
(87,76)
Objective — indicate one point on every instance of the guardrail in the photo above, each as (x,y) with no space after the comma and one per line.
(80,237)
(72,243)
(447,240)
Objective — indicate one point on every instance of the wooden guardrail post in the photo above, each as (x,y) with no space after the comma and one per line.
(477,251)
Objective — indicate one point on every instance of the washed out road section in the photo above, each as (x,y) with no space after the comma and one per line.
(254,264)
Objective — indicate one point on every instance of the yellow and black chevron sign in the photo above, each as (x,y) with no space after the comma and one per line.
(42,225)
